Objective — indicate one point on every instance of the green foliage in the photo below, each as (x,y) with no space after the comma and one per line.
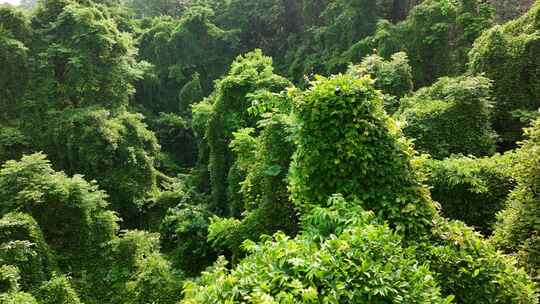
(191,93)
(517,229)
(354,161)
(179,50)
(361,154)
(17,297)
(23,246)
(364,263)
(70,211)
(12,143)
(249,74)
(472,270)
(330,29)
(14,75)
(57,291)
(143,8)
(184,231)
(433,116)
(9,278)
(392,77)
(266,24)
(507,54)
(325,170)
(510,9)
(139,273)
(84,58)
(264,164)
(116,149)
(470,189)
(437,36)
(175,136)
(201,115)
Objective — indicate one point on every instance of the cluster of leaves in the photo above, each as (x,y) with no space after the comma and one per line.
(508,55)
(14,77)
(50,223)
(362,263)
(472,269)
(24,249)
(393,77)
(263,163)
(79,68)
(470,189)
(84,59)
(10,289)
(58,291)
(437,36)
(323,262)
(53,224)
(116,150)
(137,272)
(188,53)
(361,154)
(230,101)
(517,230)
(433,115)
(184,234)
(70,212)
(252,158)
(176,139)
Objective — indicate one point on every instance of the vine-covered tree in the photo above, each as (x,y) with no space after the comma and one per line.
(437,36)
(508,55)
(249,74)
(71,213)
(337,233)
(517,228)
(433,116)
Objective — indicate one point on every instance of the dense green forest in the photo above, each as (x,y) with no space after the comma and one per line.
(270,151)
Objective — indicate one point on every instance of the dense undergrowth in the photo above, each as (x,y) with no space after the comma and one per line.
(269,151)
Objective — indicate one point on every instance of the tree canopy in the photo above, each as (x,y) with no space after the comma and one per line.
(269,151)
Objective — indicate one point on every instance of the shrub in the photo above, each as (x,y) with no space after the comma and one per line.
(190,93)
(14,59)
(174,134)
(433,115)
(97,59)
(339,238)
(472,270)
(13,143)
(517,230)
(470,189)
(187,55)
(364,263)
(154,282)
(507,55)
(201,114)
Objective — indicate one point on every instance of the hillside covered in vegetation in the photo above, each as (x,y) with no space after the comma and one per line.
(270,151)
